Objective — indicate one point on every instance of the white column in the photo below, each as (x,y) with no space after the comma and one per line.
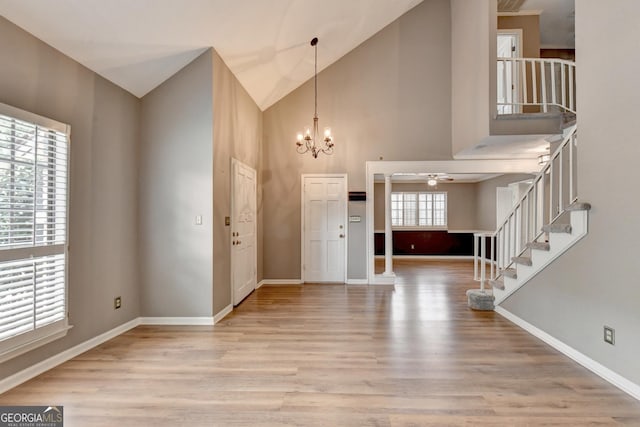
(388,234)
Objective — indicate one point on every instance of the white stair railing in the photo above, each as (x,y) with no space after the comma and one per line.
(546,199)
(544,82)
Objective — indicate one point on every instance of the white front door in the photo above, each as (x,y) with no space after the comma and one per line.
(324,228)
(243,231)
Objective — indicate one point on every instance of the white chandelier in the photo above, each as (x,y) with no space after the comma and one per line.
(307,142)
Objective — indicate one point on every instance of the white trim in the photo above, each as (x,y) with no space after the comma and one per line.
(32,345)
(221,315)
(176,320)
(357,282)
(602,371)
(346,218)
(426,257)
(27,116)
(50,363)
(434,166)
(280,282)
(521,13)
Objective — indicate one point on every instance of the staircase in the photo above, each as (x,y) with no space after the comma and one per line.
(545,223)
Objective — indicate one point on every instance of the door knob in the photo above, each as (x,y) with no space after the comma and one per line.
(342,236)
(233,243)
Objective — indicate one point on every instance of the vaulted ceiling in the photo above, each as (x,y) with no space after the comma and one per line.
(138,44)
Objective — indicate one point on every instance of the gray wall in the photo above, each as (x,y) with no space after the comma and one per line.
(595,283)
(461,203)
(473,70)
(176,184)
(389,98)
(237,133)
(104,123)
(357,250)
(486,199)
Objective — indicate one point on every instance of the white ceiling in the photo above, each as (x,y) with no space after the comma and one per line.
(138,44)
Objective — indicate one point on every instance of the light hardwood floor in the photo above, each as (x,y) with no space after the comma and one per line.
(332,355)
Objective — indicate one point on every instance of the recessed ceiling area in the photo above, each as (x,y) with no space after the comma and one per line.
(138,44)
(557,22)
(443,178)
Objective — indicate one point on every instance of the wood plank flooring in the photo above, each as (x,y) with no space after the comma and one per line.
(335,355)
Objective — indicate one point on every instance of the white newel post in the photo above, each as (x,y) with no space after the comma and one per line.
(388,234)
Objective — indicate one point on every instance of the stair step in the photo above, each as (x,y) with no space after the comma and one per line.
(579,206)
(510,272)
(524,260)
(540,246)
(557,228)
(496,284)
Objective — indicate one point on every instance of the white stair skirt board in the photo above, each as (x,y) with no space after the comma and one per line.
(602,371)
(279,282)
(540,259)
(179,321)
(223,313)
(50,363)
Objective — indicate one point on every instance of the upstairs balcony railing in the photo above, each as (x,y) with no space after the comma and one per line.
(530,85)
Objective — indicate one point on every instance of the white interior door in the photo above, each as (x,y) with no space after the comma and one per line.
(243,231)
(508,75)
(324,228)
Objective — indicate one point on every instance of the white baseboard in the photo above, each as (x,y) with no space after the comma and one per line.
(50,363)
(279,282)
(602,371)
(357,282)
(176,320)
(429,257)
(218,317)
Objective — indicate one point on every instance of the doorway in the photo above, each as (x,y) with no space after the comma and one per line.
(324,233)
(509,46)
(243,231)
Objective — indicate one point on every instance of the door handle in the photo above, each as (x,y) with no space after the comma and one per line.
(342,236)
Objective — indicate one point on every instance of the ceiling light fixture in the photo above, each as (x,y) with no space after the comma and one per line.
(432,182)
(307,142)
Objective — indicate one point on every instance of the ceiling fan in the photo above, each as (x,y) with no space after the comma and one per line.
(434,178)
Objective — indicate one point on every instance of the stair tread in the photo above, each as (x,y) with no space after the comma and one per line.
(579,206)
(540,246)
(557,228)
(496,284)
(524,260)
(510,272)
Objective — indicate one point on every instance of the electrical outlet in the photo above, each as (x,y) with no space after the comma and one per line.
(117,303)
(609,335)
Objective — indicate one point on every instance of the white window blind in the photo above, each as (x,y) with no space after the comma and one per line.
(33,228)
(419,209)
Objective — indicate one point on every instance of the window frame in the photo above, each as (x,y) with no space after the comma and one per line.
(26,341)
(417,212)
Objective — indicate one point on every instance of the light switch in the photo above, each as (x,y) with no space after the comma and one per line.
(198,219)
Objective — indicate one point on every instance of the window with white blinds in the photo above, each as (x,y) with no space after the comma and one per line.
(419,209)
(33,228)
